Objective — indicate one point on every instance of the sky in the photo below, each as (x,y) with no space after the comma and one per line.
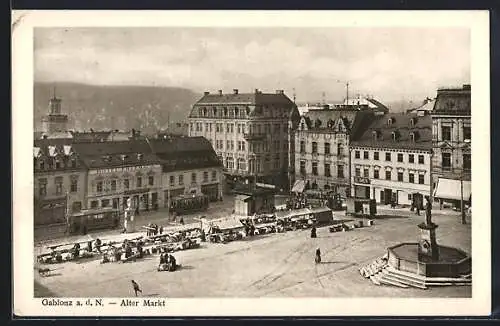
(390,64)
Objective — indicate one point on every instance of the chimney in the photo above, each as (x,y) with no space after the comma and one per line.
(235,91)
(220,92)
(206,93)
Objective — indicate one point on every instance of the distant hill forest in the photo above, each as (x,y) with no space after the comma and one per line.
(148,109)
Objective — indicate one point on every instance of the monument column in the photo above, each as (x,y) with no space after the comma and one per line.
(428,248)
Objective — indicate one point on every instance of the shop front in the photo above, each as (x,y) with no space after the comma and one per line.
(211,190)
(361,187)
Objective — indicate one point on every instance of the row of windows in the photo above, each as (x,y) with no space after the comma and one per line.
(327,169)
(55,163)
(326,148)
(388,175)
(388,157)
(59,189)
(446,161)
(180,178)
(235,112)
(446,133)
(111,185)
(240,128)
(254,166)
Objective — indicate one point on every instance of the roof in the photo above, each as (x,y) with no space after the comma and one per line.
(61,149)
(329,119)
(453,101)
(255,98)
(370,102)
(401,125)
(428,105)
(94,136)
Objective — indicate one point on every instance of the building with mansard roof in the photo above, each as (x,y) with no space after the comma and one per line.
(391,159)
(322,148)
(250,132)
(451,145)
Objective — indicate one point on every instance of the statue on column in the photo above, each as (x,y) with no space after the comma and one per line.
(428,212)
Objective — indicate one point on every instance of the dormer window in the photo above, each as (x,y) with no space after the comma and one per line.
(413,121)
(123,157)
(395,135)
(374,135)
(139,157)
(106,158)
(204,111)
(414,136)
(390,121)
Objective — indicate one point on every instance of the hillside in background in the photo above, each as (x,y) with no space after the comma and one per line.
(115,107)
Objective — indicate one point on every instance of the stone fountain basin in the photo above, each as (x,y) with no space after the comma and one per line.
(452,262)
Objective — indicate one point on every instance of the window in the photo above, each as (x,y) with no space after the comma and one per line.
(340,149)
(42,165)
(400,157)
(242,164)
(228,144)
(303,167)
(387,175)
(93,204)
(105,203)
(421,179)
(357,172)
(193,177)
(126,183)
(214,175)
(181,179)
(42,190)
(445,133)
(327,148)
(467,135)
(375,156)
(139,182)
(302,146)
(365,155)
(151,180)
(113,185)
(388,157)
(315,168)
(99,186)
(73,163)
(400,176)
(340,171)
(314,147)
(411,158)
(366,173)
(421,159)
(412,136)
(205,176)
(58,164)
(327,170)
(446,161)
(376,174)
(357,154)
(74,185)
(466,162)
(411,178)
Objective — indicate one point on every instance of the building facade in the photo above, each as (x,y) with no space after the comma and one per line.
(391,160)
(119,170)
(322,149)
(251,133)
(451,144)
(59,181)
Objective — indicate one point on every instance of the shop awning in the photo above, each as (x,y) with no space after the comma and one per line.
(242,197)
(299,186)
(451,189)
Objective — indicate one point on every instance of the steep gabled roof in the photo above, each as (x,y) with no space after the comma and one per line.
(256,98)
(453,101)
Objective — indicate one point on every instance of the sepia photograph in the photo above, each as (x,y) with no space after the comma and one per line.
(253,161)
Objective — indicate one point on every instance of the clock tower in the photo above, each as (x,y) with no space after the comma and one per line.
(55,121)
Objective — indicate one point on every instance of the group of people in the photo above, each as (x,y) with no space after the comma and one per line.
(297,201)
(154,229)
(167,262)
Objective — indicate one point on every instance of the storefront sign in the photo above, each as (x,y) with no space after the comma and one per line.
(136,191)
(361,180)
(123,169)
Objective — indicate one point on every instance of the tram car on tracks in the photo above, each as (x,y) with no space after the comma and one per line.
(93,219)
(185,204)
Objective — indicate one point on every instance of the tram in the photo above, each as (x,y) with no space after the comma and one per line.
(93,219)
(185,204)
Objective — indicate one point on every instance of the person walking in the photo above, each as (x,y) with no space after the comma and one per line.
(317,259)
(136,287)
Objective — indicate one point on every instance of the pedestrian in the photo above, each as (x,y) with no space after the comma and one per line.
(418,209)
(317,259)
(181,221)
(161,229)
(136,287)
(313,232)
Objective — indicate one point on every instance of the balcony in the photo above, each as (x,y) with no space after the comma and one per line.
(254,136)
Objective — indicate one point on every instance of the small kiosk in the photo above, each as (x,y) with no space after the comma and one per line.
(252,200)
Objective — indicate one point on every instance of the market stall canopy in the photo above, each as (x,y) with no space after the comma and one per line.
(180,228)
(319,210)
(451,189)
(299,186)
(228,224)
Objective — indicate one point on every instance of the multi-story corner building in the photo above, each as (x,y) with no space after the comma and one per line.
(118,170)
(391,159)
(322,148)
(251,133)
(189,165)
(451,144)
(59,181)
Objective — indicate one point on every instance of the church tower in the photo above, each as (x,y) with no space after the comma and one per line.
(55,121)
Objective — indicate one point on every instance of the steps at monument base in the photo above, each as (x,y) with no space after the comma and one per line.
(405,280)
(428,281)
(386,281)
